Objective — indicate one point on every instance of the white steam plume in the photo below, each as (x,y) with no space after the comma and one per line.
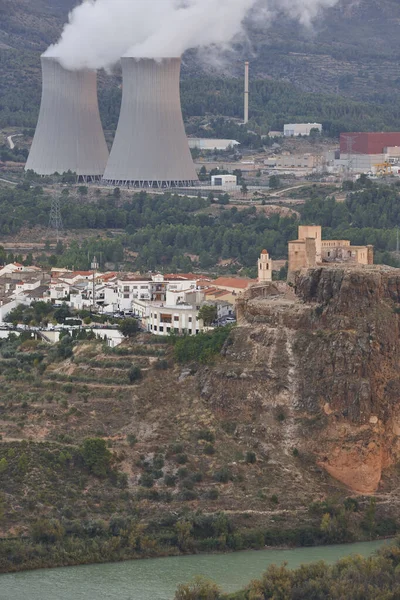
(99,32)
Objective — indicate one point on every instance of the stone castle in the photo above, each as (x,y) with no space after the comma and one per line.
(310,250)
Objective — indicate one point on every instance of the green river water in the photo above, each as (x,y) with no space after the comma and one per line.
(157,579)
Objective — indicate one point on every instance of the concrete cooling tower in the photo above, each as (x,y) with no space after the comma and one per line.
(69,135)
(150,147)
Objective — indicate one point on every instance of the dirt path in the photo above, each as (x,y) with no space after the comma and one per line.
(10,140)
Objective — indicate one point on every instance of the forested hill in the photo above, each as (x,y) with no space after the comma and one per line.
(349,61)
(32,24)
(353,50)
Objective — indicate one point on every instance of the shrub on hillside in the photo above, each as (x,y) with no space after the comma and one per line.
(202,347)
(96,456)
(135,374)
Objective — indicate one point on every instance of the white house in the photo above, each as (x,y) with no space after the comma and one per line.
(27,286)
(179,312)
(162,319)
(12,268)
(59,291)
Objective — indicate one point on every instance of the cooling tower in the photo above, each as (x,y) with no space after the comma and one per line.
(150,147)
(69,135)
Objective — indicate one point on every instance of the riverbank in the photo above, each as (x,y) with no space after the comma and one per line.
(158,579)
(27,555)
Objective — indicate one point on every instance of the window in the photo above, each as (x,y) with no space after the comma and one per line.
(176,318)
(155,327)
(126,288)
(161,328)
(144,287)
(190,319)
(126,295)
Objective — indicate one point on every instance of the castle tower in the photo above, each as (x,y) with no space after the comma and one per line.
(264,268)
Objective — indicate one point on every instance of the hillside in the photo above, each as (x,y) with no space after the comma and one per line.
(351,52)
(295,419)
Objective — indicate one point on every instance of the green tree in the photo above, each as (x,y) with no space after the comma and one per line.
(208,313)
(129,327)
(274,182)
(184,532)
(83,190)
(23,463)
(96,456)
(47,531)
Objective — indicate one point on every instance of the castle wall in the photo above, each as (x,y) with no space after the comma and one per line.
(297,255)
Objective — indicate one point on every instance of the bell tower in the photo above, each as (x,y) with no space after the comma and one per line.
(264,268)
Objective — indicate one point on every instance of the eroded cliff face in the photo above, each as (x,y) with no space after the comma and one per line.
(327,359)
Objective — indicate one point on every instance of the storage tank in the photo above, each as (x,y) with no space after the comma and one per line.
(69,135)
(150,147)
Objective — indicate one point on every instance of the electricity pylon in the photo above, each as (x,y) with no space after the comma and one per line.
(55,222)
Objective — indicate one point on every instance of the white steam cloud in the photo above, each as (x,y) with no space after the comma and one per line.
(99,32)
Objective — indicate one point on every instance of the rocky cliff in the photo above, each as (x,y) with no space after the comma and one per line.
(329,354)
(286,433)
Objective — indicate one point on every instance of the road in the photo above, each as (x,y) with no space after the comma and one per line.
(10,140)
(295,187)
(9,182)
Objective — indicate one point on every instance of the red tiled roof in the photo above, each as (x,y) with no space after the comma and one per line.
(107,276)
(233,282)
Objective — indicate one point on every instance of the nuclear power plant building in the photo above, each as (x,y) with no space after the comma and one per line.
(150,147)
(69,135)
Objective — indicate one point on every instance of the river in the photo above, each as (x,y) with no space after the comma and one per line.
(158,578)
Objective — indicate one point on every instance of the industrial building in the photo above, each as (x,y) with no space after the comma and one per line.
(292,161)
(69,135)
(227,182)
(368,142)
(150,147)
(370,152)
(296,129)
(211,144)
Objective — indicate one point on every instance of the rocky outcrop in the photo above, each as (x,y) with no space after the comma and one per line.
(330,355)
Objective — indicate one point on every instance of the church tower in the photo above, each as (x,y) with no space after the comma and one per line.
(264,268)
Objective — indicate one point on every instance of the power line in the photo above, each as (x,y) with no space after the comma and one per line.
(55,221)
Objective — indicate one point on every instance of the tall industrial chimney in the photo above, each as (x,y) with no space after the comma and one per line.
(150,147)
(69,135)
(246,92)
